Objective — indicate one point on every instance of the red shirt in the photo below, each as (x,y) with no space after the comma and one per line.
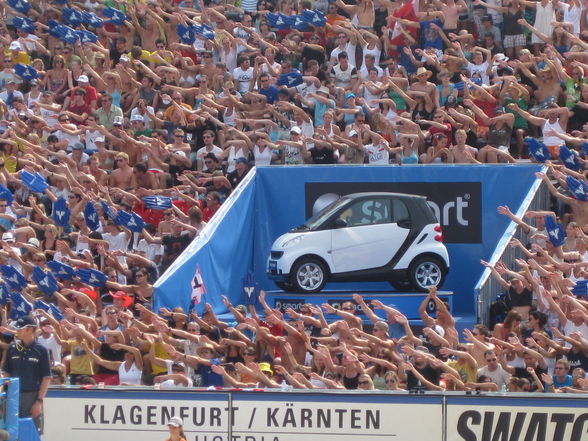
(91,94)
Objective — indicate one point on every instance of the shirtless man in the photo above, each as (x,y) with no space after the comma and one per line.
(362,14)
(100,176)
(579,208)
(123,175)
(461,153)
(422,85)
(142,178)
(347,314)
(547,81)
(451,10)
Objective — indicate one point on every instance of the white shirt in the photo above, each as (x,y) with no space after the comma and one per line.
(243,78)
(480,70)
(54,349)
(378,154)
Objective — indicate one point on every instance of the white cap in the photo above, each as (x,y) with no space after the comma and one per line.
(175,422)
(14,46)
(352,132)
(99,139)
(500,57)
(8,237)
(137,117)
(296,130)
(124,57)
(83,79)
(180,153)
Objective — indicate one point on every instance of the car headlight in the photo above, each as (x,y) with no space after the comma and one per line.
(292,241)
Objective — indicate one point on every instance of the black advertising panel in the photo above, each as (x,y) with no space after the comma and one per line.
(457,205)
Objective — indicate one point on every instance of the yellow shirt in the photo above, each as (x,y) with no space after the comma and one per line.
(21,57)
(467,373)
(159,353)
(81,362)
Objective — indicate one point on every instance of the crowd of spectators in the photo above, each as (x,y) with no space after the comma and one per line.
(125,125)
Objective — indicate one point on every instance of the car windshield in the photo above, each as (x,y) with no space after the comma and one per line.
(317,220)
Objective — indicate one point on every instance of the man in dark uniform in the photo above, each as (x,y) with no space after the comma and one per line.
(29,361)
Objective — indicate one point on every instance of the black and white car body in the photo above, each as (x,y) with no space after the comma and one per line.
(363,237)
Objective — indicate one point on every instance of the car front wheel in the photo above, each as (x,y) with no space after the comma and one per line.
(309,275)
(426,272)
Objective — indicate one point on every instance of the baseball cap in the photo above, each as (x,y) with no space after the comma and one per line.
(118,121)
(353,132)
(24,322)
(14,46)
(83,79)
(99,139)
(242,160)
(78,146)
(349,95)
(137,117)
(33,241)
(296,130)
(8,237)
(323,89)
(175,422)
(124,58)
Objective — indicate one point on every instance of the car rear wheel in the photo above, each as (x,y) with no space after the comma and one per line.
(426,272)
(309,275)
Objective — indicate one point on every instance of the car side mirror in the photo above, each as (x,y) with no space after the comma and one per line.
(339,223)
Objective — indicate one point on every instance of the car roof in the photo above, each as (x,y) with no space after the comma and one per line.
(383,194)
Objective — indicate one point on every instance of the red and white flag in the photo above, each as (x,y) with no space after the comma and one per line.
(409,12)
(198,288)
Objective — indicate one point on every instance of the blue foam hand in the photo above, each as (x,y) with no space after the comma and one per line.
(157,202)
(67,34)
(92,277)
(13,277)
(4,294)
(186,34)
(250,289)
(291,79)
(578,189)
(45,281)
(20,305)
(203,31)
(36,183)
(24,24)
(22,6)
(61,212)
(40,304)
(92,19)
(52,23)
(56,312)
(300,22)
(279,21)
(570,159)
(61,270)
(91,216)
(109,212)
(26,72)
(537,149)
(319,19)
(6,194)
(581,288)
(72,16)
(132,221)
(87,36)
(555,231)
(114,16)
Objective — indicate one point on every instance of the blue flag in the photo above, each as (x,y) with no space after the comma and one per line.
(26,72)
(537,149)
(61,270)
(157,202)
(578,189)
(315,18)
(555,231)
(92,19)
(186,34)
(114,16)
(581,288)
(570,159)
(279,21)
(36,183)
(16,281)
(40,304)
(56,312)
(73,17)
(250,289)
(91,216)
(109,212)
(61,212)
(20,306)
(22,6)
(87,36)
(4,294)
(132,221)
(24,24)
(6,194)
(291,79)
(92,277)
(204,31)
(46,281)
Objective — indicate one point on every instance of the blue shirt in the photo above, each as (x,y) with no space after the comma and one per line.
(209,378)
(271,93)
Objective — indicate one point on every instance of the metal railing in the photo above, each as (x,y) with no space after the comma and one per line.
(488,287)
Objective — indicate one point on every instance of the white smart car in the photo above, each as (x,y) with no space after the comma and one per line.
(363,237)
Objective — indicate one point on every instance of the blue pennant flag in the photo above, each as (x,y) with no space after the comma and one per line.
(132,221)
(73,17)
(114,16)
(578,189)
(20,306)
(22,6)
(92,19)
(61,212)
(315,18)
(204,31)
(26,72)
(291,79)
(6,194)
(56,312)
(186,33)
(16,281)
(36,183)
(92,277)
(4,294)
(66,34)
(300,22)
(157,202)
(109,212)
(40,304)
(87,36)
(46,281)
(91,216)
(24,24)
(555,231)
(581,288)
(52,23)
(538,150)
(570,159)
(61,270)
(279,21)
(250,289)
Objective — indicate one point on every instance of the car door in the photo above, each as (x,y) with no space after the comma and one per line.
(368,233)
